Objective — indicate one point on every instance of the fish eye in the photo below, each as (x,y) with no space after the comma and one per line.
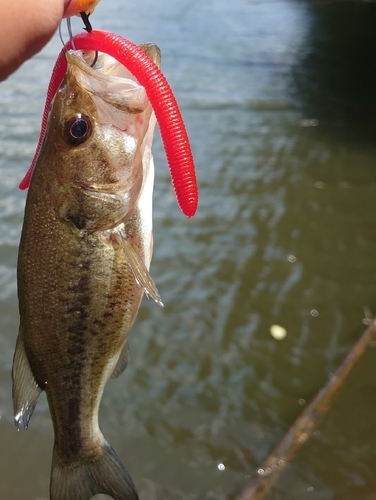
(76,130)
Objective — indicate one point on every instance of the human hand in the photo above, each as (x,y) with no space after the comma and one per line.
(27,26)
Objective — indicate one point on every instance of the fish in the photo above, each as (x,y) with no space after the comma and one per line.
(83,265)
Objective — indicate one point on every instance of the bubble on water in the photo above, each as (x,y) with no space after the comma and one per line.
(345,185)
(291,258)
(302,402)
(314,313)
(278,332)
(221,466)
(310,489)
(261,472)
(309,122)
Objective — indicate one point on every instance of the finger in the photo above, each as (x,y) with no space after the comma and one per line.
(76,6)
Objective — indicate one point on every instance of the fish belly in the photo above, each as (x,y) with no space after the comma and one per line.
(78,301)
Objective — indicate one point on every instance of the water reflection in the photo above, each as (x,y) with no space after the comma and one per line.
(336,77)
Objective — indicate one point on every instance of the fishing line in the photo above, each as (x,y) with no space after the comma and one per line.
(69,26)
(60,34)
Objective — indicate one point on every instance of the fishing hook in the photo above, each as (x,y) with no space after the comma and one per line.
(71,38)
(95,59)
(85,19)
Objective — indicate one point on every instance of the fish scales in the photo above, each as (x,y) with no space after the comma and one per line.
(86,316)
(83,264)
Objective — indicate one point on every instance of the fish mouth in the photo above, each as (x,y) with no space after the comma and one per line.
(98,65)
(104,192)
(107,80)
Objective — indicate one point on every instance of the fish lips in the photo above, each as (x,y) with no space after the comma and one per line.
(109,83)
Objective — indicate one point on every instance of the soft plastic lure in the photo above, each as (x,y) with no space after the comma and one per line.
(173,132)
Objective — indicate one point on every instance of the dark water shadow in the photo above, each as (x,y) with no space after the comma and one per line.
(335,81)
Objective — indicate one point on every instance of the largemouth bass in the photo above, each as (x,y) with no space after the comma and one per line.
(83,263)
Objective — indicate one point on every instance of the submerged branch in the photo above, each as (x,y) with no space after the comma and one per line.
(307,422)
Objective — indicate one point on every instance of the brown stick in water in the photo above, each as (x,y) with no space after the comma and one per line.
(307,422)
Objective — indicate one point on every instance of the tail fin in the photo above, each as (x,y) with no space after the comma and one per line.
(102,474)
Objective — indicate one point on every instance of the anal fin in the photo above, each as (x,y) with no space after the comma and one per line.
(25,390)
(140,273)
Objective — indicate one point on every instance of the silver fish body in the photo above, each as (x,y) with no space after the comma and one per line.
(83,263)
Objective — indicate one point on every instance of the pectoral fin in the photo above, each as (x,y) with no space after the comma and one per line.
(140,273)
(122,361)
(25,389)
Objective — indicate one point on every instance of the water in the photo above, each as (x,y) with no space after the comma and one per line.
(279,104)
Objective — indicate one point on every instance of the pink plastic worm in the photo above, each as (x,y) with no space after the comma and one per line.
(173,132)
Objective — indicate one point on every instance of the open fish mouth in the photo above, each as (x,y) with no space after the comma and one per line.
(98,64)
(107,80)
